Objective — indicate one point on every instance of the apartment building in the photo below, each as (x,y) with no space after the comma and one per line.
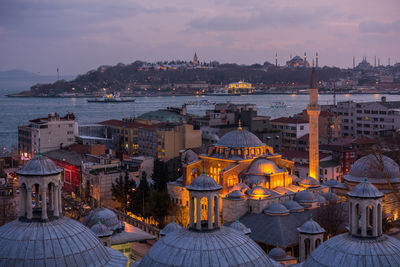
(292,129)
(53,131)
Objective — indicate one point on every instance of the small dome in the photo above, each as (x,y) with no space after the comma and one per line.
(277,254)
(235,194)
(263,166)
(365,190)
(241,187)
(239,139)
(331,197)
(304,196)
(237,225)
(346,250)
(40,165)
(331,182)
(258,192)
(311,227)
(374,173)
(309,182)
(169,228)
(106,217)
(276,209)
(204,183)
(293,206)
(254,180)
(321,200)
(100,230)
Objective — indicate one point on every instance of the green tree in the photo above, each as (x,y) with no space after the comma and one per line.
(123,190)
(160,206)
(160,175)
(140,197)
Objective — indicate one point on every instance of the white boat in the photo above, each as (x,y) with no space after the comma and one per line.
(278,104)
(111,98)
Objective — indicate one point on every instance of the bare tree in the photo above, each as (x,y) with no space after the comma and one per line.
(332,217)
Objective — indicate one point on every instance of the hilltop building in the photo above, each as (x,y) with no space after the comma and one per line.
(53,132)
(297,61)
(195,59)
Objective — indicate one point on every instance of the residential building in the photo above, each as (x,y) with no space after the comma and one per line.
(53,131)
(329,125)
(343,152)
(330,169)
(292,129)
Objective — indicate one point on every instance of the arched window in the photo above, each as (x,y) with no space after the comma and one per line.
(307,247)
(317,242)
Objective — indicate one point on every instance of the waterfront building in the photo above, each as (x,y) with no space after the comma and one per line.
(240,86)
(292,129)
(53,131)
(42,236)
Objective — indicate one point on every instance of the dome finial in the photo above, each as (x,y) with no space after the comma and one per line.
(365,176)
(240,125)
(173,219)
(310,217)
(99,220)
(204,168)
(237,219)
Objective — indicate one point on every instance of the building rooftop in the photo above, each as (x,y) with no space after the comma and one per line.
(204,183)
(239,138)
(39,166)
(289,120)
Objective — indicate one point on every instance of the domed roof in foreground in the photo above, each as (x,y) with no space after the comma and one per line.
(309,182)
(169,228)
(293,206)
(222,247)
(346,250)
(305,196)
(258,191)
(61,242)
(40,165)
(100,230)
(276,209)
(374,174)
(106,217)
(263,166)
(239,138)
(237,225)
(204,183)
(277,254)
(235,194)
(311,227)
(365,190)
(241,187)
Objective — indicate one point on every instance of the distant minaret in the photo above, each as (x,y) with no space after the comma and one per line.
(316,60)
(354,62)
(375,62)
(276,59)
(305,58)
(313,110)
(379,61)
(195,59)
(389,61)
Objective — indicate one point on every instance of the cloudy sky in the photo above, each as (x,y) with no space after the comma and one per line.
(79,35)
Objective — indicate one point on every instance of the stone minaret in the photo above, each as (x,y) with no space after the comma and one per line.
(195,59)
(313,110)
(316,60)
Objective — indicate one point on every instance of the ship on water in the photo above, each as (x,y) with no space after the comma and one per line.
(111,98)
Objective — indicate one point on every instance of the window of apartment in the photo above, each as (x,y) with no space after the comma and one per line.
(382,112)
(366,132)
(326,171)
(301,127)
(366,125)
(367,111)
(359,118)
(381,119)
(359,111)
(71,125)
(352,154)
(359,124)
(321,171)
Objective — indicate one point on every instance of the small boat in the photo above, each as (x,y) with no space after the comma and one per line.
(111,98)
(203,102)
(278,104)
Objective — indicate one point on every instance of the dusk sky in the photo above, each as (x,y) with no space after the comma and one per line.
(79,35)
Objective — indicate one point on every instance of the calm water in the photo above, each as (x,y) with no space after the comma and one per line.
(18,111)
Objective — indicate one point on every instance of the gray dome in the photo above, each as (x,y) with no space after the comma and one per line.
(106,217)
(345,250)
(321,200)
(259,191)
(330,196)
(276,209)
(61,242)
(169,228)
(311,227)
(331,182)
(241,187)
(277,254)
(309,182)
(293,206)
(40,166)
(204,183)
(235,194)
(238,139)
(374,174)
(304,196)
(254,180)
(365,190)
(100,230)
(223,247)
(263,166)
(237,225)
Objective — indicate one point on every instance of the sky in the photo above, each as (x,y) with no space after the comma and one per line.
(79,35)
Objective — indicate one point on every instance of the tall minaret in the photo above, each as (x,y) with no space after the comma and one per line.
(375,62)
(276,59)
(313,110)
(354,62)
(195,59)
(316,60)
(305,58)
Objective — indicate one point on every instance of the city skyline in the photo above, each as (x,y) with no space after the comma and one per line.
(76,37)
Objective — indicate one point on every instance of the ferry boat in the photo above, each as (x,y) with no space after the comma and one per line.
(111,98)
(278,104)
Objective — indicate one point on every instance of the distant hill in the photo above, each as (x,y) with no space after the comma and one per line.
(12,74)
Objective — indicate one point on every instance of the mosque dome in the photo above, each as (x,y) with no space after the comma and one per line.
(254,180)
(263,166)
(39,166)
(105,216)
(304,196)
(222,247)
(100,230)
(259,191)
(311,227)
(204,183)
(236,194)
(330,196)
(169,228)
(331,183)
(237,225)
(369,166)
(61,242)
(241,187)
(239,138)
(293,206)
(309,182)
(365,190)
(276,209)
(321,200)
(277,254)
(345,250)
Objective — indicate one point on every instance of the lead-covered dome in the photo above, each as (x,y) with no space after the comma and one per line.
(239,138)
(169,228)
(106,217)
(309,182)
(345,250)
(371,164)
(223,247)
(259,192)
(61,242)
(204,183)
(365,190)
(304,196)
(276,209)
(263,166)
(39,166)
(311,227)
